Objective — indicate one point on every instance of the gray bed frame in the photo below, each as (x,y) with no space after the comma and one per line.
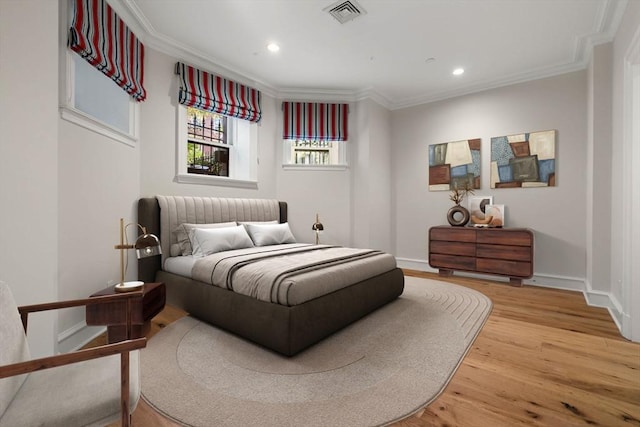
(286,330)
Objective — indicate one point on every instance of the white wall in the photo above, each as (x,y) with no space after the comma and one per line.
(98,185)
(316,191)
(158,134)
(371,178)
(556,214)
(354,204)
(624,220)
(29,160)
(598,201)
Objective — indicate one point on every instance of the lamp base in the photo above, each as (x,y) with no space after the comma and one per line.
(129,286)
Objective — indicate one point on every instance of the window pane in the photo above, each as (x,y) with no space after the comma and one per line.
(205,159)
(314,152)
(98,96)
(206,126)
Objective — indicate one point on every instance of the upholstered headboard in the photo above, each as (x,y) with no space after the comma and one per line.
(161,215)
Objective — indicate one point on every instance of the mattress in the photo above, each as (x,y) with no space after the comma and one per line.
(180,265)
(287,274)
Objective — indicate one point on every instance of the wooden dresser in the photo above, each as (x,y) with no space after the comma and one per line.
(501,251)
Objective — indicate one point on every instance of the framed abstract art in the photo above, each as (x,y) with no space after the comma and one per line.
(477,208)
(496,213)
(454,165)
(524,160)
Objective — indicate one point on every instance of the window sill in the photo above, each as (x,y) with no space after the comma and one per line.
(186,178)
(315,167)
(81,119)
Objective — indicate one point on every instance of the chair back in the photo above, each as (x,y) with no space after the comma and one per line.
(13,346)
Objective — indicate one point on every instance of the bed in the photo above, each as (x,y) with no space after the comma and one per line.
(301,309)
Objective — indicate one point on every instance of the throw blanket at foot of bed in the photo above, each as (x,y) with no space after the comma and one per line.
(291,274)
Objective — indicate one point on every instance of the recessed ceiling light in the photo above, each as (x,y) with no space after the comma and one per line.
(458,71)
(273,47)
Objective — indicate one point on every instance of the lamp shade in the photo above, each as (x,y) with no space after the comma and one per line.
(317,226)
(147,245)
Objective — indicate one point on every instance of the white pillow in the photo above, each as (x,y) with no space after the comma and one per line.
(275,221)
(182,233)
(176,250)
(207,241)
(270,234)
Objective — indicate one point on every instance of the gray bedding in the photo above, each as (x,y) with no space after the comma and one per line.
(290,274)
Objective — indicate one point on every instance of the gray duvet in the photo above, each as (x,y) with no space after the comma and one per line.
(290,274)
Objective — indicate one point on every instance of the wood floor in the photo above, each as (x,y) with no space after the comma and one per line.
(544,358)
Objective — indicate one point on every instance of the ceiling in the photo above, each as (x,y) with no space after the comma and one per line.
(398,52)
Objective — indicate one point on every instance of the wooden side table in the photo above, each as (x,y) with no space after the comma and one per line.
(114,314)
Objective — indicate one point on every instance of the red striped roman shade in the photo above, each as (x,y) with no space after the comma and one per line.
(104,40)
(207,91)
(315,121)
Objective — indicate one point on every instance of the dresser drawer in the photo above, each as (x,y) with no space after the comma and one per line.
(453,234)
(508,268)
(452,248)
(505,237)
(452,262)
(498,252)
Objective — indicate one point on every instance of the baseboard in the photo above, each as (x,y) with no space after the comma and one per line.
(542,280)
(608,301)
(78,336)
(593,298)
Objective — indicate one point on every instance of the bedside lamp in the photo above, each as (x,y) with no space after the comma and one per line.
(146,245)
(317,227)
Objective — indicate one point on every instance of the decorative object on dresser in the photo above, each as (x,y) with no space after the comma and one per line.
(496,213)
(477,209)
(504,252)
(458,215)
(114,315)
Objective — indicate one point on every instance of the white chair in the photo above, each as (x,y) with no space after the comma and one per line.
(94,387)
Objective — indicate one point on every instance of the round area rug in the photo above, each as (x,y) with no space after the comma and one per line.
(380,369)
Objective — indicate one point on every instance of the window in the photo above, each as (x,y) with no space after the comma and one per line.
(94,102)
(215,149)
(91,99)
(217,129)
(314,134)
(208,153)
(316,153)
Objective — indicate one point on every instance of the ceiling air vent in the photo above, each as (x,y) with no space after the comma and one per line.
(345,11)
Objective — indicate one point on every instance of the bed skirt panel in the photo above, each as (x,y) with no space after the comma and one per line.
(286,330)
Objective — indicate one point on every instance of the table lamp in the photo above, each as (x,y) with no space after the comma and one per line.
(146,245)
(317,227)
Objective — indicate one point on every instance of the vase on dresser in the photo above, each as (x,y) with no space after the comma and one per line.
(458,216)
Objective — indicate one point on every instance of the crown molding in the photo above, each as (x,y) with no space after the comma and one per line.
(328,95)
(143,29)
(481,86)
(608,20)
(609,17)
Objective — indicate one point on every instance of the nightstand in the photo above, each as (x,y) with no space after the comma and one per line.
(114,314)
